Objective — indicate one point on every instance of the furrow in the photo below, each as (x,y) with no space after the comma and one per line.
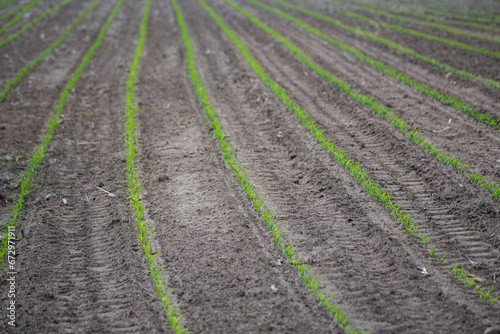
(353,167)
(83,267)
(33,22)
(384,111)
(254,122)
(441,58)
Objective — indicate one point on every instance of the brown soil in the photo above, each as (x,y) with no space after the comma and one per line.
(80,267)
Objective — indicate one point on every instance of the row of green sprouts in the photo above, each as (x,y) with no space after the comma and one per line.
(306,119)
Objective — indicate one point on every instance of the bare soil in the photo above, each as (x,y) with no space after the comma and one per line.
(80,266)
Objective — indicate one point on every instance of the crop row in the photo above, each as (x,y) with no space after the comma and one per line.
(12,82)
(143,227)
(40,151)
(425,16)
(422,88)
(13,11)
(33,22)
(323,296)
(419,22)
(463,14)
(19,16)
(368,100)
(393,45)
(5,3)
(404,219)
(463,46)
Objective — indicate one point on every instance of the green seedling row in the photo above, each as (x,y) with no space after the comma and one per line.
(12,82)
(463,46)
(40,151)
(19,16)
(422,88)
(404,219)
(322,295)
(419,22)
(134,188)
(426,16)
(5,3)
(396,122)
(12,11)
(464,15)
(447,68)
(33,22)
(470,281)
(457,14)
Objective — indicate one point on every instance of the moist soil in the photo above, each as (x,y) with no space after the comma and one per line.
(80,266)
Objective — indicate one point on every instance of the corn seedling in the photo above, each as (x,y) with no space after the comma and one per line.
(307,120)
(439,260)
(40,151)
(33,22)
(431,250)
(422,88)
(368,100)
(12,82)
(391,44)
(143,227)
(322,295)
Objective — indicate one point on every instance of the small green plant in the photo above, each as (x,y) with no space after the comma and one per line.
(431,250)
(439,260)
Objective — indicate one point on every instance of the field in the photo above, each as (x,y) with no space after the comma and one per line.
(250,166)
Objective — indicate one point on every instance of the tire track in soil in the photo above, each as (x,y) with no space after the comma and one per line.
(476,93)
(217,255)
(301,188)
(28,106)
(80,268)
(463,137)
(484,65)
(462,228)
(22,125)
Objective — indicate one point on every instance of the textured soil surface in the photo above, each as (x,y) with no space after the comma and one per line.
(80,267)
